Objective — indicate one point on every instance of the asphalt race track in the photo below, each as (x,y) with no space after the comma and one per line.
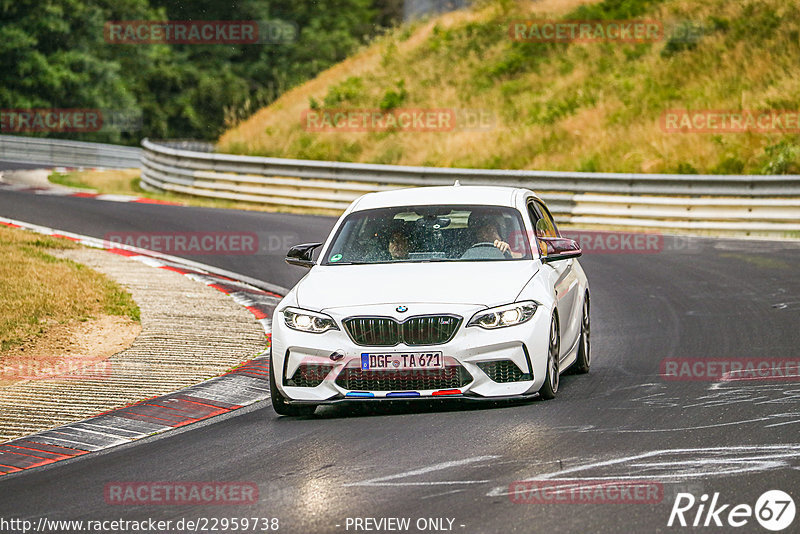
(16,165)
(695,298)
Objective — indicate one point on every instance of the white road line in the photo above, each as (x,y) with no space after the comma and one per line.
(434,483)
(442,494)
(383,481)
(717,461)
(685,429)
(784,423)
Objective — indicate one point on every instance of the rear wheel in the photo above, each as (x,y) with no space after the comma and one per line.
(279,403)
(550,386)
(584,360)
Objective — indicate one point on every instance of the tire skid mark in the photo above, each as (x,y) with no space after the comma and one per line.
(676,465)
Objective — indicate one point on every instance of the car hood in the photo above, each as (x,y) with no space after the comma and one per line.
(476,283)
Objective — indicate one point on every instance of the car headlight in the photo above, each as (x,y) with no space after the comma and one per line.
(502,316)
(308,321)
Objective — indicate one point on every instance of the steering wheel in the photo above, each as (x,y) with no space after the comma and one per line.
(482,244)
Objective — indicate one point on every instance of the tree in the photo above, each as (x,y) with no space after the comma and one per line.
(53,54)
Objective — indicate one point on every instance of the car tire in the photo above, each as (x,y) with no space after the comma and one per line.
(279,403)
(584,360)
(552,378)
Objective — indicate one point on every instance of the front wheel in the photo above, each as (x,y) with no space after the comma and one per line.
(584,360)
(550,386)
(279,403)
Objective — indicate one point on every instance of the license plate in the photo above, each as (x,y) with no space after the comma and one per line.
(402,360)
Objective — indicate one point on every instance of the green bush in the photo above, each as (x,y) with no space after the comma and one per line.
(394,98)
(684,36)
(782,158)
(520,57)
(550,111)
(729,165)
(758,22)
(589,165)
(613,9)
(347,91)
(685,168)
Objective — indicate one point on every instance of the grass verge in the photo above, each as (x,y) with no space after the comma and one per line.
(38,290)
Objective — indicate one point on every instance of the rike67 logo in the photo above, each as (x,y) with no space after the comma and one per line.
(774,510)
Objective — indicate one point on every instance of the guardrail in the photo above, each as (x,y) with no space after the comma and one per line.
(63,153)
(756,205)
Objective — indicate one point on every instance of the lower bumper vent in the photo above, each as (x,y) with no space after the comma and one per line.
(502,371)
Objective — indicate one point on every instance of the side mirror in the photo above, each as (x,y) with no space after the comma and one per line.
(302,255)
(559,248)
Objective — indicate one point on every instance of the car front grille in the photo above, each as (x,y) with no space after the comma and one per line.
(417,330)
(502,371)
(356,379)
(430,329)
(378,331)
(309,375)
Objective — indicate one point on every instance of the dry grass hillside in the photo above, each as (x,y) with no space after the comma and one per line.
(593,106)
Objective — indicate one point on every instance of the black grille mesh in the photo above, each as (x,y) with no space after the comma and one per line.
(357,379)
(309,375)
(378,331)
(429,329)
(386,332)
(502,371)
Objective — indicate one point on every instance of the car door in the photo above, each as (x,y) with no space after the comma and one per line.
(566,278)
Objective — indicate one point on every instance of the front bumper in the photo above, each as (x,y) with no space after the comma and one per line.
(469,353)
(463,398)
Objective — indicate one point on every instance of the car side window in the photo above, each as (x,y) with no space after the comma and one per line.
(535,217)
(533,214)
(544,224)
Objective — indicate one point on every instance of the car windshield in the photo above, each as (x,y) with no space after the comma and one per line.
(429,233)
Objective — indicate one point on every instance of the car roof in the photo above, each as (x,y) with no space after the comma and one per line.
(482,195)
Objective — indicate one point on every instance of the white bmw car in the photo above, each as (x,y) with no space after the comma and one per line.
(435,292)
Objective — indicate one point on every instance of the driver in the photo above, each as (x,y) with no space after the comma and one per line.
(398,245)
(486,229)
